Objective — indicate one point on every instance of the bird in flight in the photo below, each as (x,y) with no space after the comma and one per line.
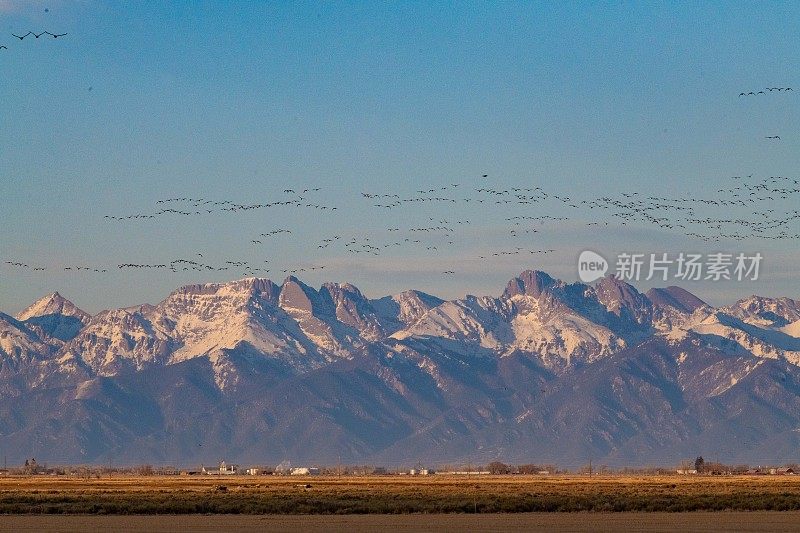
(776,137)
(37,35)
(3,47)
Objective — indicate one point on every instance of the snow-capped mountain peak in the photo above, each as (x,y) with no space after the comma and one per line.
(54,317)
(52,304)
(260,366)
(531,283)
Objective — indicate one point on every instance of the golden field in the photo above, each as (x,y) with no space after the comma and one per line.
(394,494)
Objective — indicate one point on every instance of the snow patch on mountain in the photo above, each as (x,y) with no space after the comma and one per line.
(557,323)
(55,318)
(792,329)
(17,342)
(52,304)
(475,320)
(563,339)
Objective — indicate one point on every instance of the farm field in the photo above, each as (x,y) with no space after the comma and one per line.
(578,522)
(294,495)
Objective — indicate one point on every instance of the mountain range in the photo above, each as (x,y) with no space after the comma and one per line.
(546,372)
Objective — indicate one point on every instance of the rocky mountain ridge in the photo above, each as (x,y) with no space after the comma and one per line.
(547,369)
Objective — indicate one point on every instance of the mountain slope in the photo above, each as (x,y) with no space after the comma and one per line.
(546,372)
(55,317)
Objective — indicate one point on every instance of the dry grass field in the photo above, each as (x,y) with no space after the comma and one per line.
(394,494)
(699,522)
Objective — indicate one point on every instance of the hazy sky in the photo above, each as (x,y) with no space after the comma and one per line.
(144,101)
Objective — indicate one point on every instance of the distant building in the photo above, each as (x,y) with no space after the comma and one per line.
(284,468)
(686,471)
(466,473)
(253,471)
(305,471)
(224,469)
(782,471)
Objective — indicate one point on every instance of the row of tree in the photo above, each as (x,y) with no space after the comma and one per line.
(499,468)
(700,465)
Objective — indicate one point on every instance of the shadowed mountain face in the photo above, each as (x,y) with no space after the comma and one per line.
(55,317)
(676,298)
(258,372)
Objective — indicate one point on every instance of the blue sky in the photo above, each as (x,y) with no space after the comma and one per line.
(143,101)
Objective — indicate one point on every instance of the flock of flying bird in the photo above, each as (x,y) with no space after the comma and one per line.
(201,206)
(767,89)
(683,213)
(37,35)
(34,35)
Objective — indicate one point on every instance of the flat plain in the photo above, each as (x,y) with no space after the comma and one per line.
(294,495)
(700,522)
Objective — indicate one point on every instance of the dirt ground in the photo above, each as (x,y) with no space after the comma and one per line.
(457,523)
